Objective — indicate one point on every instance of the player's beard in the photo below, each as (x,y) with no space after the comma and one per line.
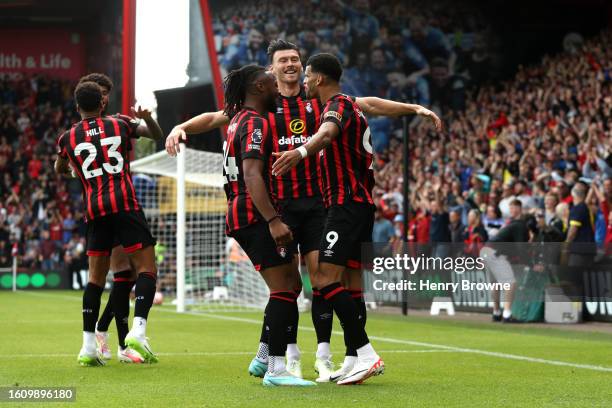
(311,93)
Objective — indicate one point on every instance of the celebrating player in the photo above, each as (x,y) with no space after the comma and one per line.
(97,149)
(252,219)
(124,276)
(347,177)
(298,193)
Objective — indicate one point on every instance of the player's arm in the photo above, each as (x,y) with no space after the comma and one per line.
(253,178)
(289,159)
(199,124)
(150,129)
(62,166)
(384,107)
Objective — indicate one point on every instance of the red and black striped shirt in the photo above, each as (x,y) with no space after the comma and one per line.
(98,149)
(296,119)
(247,138)
(346,164)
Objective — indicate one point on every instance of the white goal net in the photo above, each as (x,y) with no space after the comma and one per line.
(185,206)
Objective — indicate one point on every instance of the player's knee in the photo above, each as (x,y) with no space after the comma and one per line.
(146,268)
(98,279)
(120,265)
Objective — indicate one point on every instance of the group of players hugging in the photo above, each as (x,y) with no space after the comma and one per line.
(298,174)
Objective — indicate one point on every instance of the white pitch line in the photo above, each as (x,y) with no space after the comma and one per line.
(507,356)
(205,353)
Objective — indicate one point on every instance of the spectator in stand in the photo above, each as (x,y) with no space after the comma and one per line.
(521,193)
(497,259)
(75,259)
(439,230)
(68,227)
(493,220)
(551,201)
(603,198)
(475,233)
(48,252)
(383,234)
(581,232)
(457,229)
(431,42)
(446,89)
(252,51)
(364,27)
(507,198)
(379,69)
(55,229)
(356,79)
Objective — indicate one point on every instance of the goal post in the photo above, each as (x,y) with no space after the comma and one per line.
(185,205)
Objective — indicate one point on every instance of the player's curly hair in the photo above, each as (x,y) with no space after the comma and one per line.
(236,84)
(98,78)
(88,96)
(326,64)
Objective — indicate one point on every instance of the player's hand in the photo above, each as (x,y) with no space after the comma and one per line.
(141,113)
(173,141)
(285,161)
(280,232)
(421,111)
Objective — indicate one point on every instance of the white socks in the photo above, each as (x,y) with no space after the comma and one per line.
(89,342)
(262,353)
(139,327)
(276,364)
(323,351)
(507,313)
(349,362)
(366,351)
(293,352)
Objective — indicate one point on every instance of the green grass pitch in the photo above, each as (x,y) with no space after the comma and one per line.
(204,360)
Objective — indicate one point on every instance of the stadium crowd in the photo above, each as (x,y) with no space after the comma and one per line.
(39,212)
(532,137)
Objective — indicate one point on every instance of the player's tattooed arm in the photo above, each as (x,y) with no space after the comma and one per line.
(199,124)
(289,159)
(253,178)
(384,107)
(150,129)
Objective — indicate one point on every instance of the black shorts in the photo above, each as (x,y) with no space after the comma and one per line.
(347,227)
(127,228)
(306,218)
(260,247)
